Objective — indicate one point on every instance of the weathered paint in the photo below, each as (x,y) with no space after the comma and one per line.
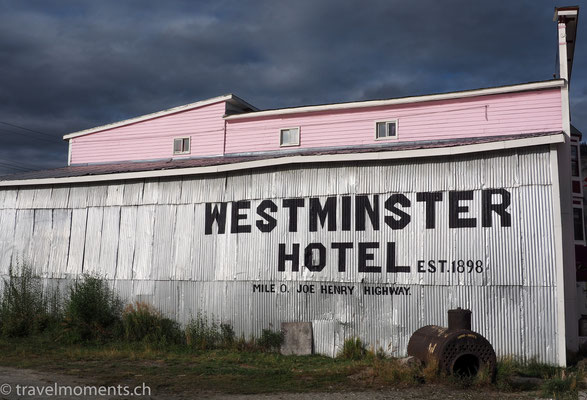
(211,135)
(147,237)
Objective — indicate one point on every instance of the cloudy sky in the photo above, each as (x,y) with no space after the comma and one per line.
(69,65)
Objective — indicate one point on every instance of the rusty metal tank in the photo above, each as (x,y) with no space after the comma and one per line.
(457,350)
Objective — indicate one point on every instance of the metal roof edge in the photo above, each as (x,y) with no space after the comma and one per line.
(298,159)
(522,87)
(201,103)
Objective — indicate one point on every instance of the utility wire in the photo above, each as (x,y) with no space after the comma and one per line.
(18,164)
(55,140)
(26,129)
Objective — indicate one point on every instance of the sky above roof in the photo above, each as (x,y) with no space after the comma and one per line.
(81,64)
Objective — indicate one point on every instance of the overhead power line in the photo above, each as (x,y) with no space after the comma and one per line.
(27,132)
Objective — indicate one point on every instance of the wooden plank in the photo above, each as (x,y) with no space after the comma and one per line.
(42,197)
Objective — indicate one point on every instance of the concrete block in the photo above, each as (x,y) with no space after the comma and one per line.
(297,338)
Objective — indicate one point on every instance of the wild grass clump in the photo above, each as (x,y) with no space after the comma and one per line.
(269,340)
(391,371)
(204,334)
(25,308)
(563,385)
(141,322)
(353,349)
(93,310)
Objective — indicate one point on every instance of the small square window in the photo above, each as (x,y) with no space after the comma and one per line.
(289,137)
(386,130)
(181,146)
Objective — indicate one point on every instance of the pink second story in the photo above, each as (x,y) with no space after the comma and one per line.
(227,125)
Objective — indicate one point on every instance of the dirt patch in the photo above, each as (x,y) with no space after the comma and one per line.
(27,378)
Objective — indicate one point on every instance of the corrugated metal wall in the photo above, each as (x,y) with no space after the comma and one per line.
(148,238)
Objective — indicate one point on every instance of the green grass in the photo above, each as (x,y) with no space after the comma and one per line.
(177,368)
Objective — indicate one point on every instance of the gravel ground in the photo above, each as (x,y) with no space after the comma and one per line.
(16,384)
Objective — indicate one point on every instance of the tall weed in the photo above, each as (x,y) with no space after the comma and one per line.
(24,307)
(142,322)
(92,311)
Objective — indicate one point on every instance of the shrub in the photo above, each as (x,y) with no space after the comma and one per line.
(24,307)
(92,311)
(270,341)
(353,349)
(142,322)
(203,334)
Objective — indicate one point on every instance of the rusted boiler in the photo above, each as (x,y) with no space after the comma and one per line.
(457,350)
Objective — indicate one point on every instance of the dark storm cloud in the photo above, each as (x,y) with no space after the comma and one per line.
(82,64)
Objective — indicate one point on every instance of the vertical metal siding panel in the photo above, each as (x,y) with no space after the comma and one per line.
(75,259)
(60,237)
(93,242)
(163,245)
(7,234)
(126,243)
(143,260)
(23,235)
(78,196)
(10,199)
(42,197)
(115,194)
(59,197)
(182,262)
(109,242)
(151,192)
(25,198)
(133,193)
(97,195)
(41,242)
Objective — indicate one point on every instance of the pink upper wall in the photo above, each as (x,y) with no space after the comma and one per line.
(153,139)
(490,115)
(506,114)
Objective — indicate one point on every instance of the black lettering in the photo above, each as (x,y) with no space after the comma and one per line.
(431,266)
(342,248)
(430,198)
(365,256)
(363,206)
(391,267)
(499,208)
(317,212)
(309,257)
(293,205)
(271,222)
(235,226)
(215,215)
(404,218)
(421,266)
(454,209)
(294,257)
(346,213)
